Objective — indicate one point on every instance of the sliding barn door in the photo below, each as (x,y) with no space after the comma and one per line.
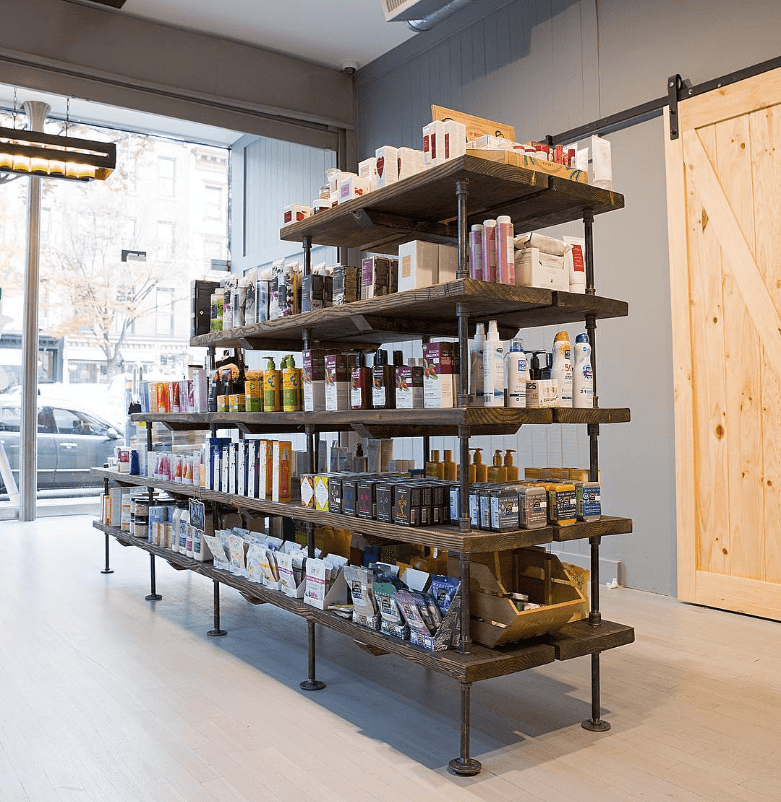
(724,214)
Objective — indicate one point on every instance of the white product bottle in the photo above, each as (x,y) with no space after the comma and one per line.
(175,527)
(562,367)
(493,368)
(476,348)
(516,374)
(476,252)
(489,250)
(583,376)
(184,533)
(505,250)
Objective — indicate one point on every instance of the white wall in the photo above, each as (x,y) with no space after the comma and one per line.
(547,67)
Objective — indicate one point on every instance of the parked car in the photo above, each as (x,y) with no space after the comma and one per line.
(70,442)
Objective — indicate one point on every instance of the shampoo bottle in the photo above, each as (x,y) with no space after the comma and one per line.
(449,468)
(476,349)
(272,379)
(489,250)
(510,467)
(291,385)
(562,367)
(505,250)
(476,252)
(516,374)
(360,384)
(583,377)
(497,473)
(493,368)
(383,382)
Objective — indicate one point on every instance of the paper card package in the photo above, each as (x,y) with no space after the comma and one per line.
(289,567)
(448,264)
(438,375)
(387,166)
(325,583)
(536,269)
(418,265)
(360,581)
(410,162)
(375,277)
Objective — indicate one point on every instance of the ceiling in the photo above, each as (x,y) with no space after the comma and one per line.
(329,32)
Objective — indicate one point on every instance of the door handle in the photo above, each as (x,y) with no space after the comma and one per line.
(69,446)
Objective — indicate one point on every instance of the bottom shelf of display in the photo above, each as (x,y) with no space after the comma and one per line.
(572,640)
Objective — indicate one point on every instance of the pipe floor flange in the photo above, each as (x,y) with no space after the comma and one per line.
(217,633)
(309,685)
(153,597)
(464,768)
(595,726)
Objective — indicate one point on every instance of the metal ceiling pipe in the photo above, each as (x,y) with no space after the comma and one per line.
(427,23)
(28,427)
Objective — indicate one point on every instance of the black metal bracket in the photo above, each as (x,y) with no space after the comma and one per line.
(674,86)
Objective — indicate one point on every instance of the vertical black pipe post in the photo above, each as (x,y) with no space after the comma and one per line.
(464,765)
(311,684)
(107,569)
(595,723)
(462,193)
(216,632)
(307,243)
(153,595)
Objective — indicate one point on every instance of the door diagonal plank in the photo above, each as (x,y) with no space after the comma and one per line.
(740,261)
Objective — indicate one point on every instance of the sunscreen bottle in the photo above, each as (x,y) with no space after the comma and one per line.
(516,374)
(562,367)
(583,377)
(493,368)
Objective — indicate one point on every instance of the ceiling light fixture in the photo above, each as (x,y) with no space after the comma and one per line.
(35,153)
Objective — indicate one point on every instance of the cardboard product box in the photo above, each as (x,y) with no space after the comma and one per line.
(366,500)
(317,593)
(352,186)
(368,169)
(282,470)
(322,492)
(313,380)
(384,499)
(200,391)
(200,312)
(251,299)
(387,166)
(308,490)
(241,468)
(252,468)
(233,469)
(454,139)
(438,375)
(295,213)
(335,494)
(434,143)
(347,284)
(448,264)
(536,269)
(265,469)
(520,158)
(375,277)
(409,387)
(349,495)
(496,619)
(337,382)
(410,162)
(287,576)
(419,265)
(406,504)
(225,464)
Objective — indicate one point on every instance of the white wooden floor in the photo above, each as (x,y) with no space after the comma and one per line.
(105,696)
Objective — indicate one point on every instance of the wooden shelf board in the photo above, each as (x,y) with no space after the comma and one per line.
(423,206)
(388,422)
(480,664)
(430,311)
(443,537)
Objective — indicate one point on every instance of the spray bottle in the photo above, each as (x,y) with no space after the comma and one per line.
(562,367)
(516,374)
(493,368)
(583,377)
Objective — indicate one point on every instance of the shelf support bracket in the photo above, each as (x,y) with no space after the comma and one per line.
(464,765)
(107,569)
(596,723)
(216,632)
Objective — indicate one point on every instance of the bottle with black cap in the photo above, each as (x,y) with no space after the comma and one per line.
(383,382)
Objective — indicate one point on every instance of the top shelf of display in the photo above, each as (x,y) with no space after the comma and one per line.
(424,206)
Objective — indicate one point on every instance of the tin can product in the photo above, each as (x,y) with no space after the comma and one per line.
(562,504)
(588,501)
(504,509)
(532,507)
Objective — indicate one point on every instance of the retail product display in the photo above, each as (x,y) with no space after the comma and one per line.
(501,603)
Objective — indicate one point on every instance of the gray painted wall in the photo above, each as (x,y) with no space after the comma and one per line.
(546,67)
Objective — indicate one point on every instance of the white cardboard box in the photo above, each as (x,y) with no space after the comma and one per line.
(418,265)
(448,263)
(536,269)
(387,165)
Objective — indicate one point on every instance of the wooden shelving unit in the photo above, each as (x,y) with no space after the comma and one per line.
(438,205)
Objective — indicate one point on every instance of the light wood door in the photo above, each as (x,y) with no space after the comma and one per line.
(724,219)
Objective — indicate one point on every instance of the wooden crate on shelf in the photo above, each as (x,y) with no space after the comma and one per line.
(534,572)
(518,158)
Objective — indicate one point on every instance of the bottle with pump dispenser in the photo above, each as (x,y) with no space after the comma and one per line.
(481,470)
(272,390)
(470,468)
(497,472)
(291,385)
(493,368)
(562,367)
(516,374)
(476,350)
(583,376)
(511,469)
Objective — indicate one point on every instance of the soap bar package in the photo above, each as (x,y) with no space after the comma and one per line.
(375,277)
(347,284)
(366,502)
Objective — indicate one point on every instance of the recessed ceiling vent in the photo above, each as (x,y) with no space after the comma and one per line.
(402,10)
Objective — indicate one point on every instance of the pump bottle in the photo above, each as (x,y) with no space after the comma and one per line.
(481,470)
(497,472)
(511,469)
(493,368)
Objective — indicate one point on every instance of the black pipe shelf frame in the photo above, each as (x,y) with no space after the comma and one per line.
(439,206)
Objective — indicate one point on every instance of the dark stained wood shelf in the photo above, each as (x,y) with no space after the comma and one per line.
(480,664)
(386,422)
(441,537)
(430,311)
(423,206)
